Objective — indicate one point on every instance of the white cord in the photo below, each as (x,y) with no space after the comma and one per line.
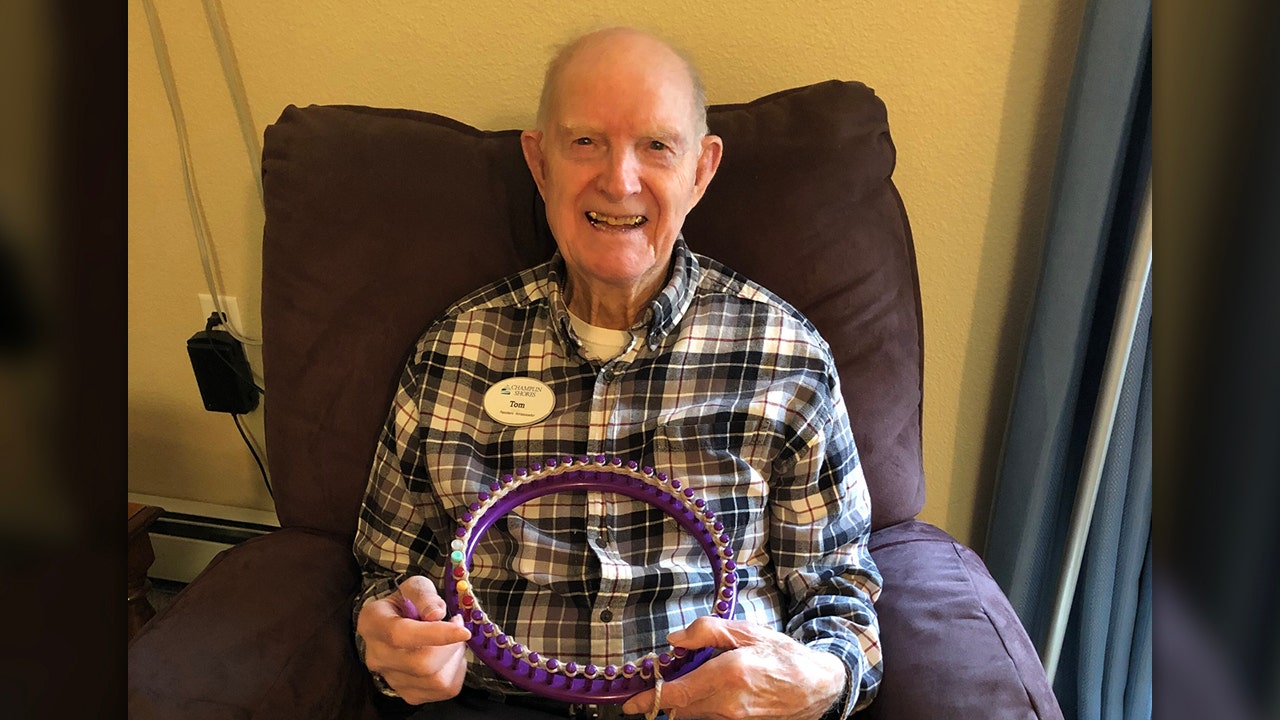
(199,222)
(235,84)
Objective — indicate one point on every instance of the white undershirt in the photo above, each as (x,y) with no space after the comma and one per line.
(597,342)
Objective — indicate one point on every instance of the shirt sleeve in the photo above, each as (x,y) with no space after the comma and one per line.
(393,540)
(820,520)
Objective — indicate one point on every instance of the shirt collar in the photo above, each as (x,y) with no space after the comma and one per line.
(665,311)
(668,308)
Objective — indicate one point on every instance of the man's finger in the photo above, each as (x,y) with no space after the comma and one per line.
(696,692)
(435,674)
(424,597)
(408,634)
(690,692)
(391,607)
(714,632)
(639,704)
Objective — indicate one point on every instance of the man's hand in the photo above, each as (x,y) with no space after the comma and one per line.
(422,660)
(762,674)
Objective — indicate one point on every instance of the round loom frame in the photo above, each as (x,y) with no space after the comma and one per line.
(570,681)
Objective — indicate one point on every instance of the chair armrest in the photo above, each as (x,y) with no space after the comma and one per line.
(953,647)
(263,632)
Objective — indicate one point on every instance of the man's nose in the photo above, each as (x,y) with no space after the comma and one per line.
(620,177)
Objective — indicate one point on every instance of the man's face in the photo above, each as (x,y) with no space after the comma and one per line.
(620,164)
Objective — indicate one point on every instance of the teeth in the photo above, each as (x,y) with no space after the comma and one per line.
(624,221)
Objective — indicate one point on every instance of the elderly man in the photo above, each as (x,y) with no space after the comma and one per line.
(646,351)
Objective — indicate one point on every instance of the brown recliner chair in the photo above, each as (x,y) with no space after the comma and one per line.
(377,219)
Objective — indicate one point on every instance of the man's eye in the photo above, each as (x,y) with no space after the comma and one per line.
(582,141)
(657,145)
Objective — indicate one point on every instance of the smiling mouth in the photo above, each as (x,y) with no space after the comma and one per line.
(615,222)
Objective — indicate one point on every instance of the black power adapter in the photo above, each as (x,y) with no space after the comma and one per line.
(222,370)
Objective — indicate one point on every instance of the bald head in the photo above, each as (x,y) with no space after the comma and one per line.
(620,156)
(594,48)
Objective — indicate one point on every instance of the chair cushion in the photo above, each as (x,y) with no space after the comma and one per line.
(953,647)
(377,219)
(263,632)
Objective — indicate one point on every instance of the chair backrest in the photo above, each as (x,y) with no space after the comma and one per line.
(377,219)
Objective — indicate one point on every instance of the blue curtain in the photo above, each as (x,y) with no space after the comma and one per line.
(1101,180)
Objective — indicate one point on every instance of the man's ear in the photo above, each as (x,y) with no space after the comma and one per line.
(712,147)
(531,144)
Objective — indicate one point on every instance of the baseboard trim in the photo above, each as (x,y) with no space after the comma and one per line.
(215,530)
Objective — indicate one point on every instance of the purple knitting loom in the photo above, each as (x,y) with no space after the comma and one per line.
(570,681)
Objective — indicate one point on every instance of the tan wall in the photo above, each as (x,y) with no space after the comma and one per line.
(975,92)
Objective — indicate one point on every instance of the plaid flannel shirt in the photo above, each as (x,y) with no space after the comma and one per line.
(725,387)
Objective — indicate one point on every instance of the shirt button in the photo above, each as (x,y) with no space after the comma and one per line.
(606,615)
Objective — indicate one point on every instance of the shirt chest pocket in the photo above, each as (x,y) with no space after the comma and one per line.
(726,462)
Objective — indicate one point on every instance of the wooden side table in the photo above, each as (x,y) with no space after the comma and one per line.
(141,555)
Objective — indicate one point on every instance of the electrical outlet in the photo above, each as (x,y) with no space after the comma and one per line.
(229,306)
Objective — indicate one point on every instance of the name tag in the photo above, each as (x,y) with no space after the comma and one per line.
(519,401)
